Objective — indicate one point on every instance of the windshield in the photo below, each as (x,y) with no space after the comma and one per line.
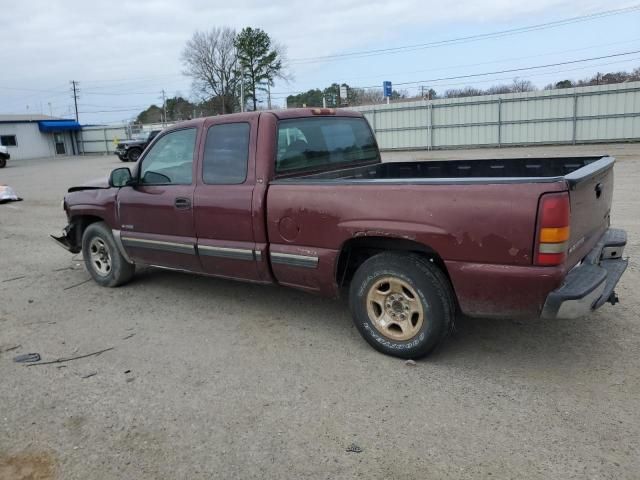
(324,142)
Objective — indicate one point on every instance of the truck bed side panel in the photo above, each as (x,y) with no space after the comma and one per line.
(475,223)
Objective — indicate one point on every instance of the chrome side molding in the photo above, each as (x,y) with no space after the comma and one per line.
(226,252)
(305,261)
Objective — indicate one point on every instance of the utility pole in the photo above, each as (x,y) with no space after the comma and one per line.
(269,96)
(74,86)
(241,93)
(241,73)
(50,110)
(164,109)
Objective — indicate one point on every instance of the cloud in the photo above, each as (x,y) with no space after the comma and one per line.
(107,45)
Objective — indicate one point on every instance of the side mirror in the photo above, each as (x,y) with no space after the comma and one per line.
(120,177)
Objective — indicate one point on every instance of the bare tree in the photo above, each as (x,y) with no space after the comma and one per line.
(520,85)
(369,96)
(463,92)
(210,60)
(499,89)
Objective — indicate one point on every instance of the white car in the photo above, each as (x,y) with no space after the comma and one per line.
(4,156)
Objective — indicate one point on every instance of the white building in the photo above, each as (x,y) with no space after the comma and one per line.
(35,136)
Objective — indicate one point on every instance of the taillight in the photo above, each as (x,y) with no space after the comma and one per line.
(553,229)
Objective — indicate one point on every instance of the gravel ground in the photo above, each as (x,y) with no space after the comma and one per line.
(215,379)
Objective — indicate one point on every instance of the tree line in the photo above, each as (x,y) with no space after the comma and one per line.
(232,71)
(358,96)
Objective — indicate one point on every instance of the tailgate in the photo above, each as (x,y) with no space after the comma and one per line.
(590,194)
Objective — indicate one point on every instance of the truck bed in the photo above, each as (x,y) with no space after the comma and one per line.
(479,216)
(512,170)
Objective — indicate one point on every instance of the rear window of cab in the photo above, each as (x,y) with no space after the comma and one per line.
(323,142)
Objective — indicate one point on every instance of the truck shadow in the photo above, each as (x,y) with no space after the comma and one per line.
(475,342)
(546,347)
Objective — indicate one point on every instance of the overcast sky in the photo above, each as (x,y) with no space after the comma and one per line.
(124,53)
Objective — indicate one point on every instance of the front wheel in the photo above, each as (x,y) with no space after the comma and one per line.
(402,304)
(134,154)
(3,162)
(102,258)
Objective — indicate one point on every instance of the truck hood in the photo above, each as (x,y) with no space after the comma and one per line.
(98,183)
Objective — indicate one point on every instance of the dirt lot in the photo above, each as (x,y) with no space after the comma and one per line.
(215,379)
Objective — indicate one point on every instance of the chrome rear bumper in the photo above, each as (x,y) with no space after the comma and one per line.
(591,284)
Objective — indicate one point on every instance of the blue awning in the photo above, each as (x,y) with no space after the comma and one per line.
(58,125)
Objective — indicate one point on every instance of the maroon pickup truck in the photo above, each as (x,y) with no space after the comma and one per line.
(301,198)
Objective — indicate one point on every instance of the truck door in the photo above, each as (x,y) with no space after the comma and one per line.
(156,215)
(223,199)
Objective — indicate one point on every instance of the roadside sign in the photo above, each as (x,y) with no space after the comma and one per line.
(386,87)
(343,93)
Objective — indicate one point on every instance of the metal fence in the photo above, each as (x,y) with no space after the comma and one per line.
(101,139)
(605,113)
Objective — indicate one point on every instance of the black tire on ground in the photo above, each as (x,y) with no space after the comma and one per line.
(134,154)
(388,296)
(102,258)
(3,162)
(123,159)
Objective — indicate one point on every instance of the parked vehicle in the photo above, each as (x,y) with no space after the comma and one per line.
(301,198)
(130,150)
(4,156)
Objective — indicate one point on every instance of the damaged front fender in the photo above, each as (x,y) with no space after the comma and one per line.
(69,239)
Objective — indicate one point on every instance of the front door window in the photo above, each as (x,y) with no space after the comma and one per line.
(170,160)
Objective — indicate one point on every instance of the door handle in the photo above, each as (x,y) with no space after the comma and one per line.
(183,203)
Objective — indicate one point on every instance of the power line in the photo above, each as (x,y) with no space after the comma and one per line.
(564,70)
(113,110)
(469,38)
(489,73)
(513,70)
(31,90)
(416,84)
(502,60)
(115,93)
(82,105)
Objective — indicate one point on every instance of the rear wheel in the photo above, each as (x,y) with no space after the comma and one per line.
(402,304)
(102,258)
(134,154)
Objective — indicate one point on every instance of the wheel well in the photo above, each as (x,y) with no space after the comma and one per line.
(80,224)
(355,251)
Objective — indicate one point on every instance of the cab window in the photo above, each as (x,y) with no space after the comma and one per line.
(170,160)
(226,153)
(324,143)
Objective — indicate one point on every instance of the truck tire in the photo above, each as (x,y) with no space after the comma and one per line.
(3,162)
(134,154)
(102,258)
(402,304)
(123,159)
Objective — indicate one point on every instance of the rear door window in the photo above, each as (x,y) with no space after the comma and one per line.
(226,153)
